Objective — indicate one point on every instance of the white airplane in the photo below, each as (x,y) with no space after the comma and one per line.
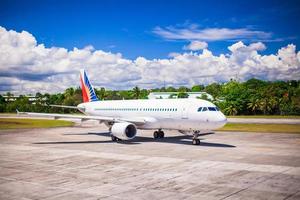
(124,117)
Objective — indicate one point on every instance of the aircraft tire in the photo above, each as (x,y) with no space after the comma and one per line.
(161,134)
(196,142)
(114,138)
(156,134)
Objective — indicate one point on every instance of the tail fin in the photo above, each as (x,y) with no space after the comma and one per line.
(88,93)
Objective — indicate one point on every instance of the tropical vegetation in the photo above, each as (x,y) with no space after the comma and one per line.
(253,97)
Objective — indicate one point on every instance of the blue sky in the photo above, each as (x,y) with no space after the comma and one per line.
(122,44)
(129,27)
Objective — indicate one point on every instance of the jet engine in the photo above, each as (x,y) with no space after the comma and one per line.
(123,130)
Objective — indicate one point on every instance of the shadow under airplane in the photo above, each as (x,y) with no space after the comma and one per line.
(182,139)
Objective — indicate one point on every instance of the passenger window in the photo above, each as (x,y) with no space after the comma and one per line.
(204,109)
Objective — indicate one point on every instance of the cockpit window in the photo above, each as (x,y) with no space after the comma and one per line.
(212,109)
(203,109)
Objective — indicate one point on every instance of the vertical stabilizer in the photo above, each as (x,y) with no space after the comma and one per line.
(88,93)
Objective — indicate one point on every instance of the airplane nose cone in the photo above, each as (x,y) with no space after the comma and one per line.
(220,120)
(223,120)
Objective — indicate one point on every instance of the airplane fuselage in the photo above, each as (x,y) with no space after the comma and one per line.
(179,114)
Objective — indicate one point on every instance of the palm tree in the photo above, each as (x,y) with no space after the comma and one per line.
(69,97)
(69,92)
(101,93)
(136,92)
(273,104)
(254,105)
(265,105)
(231,110)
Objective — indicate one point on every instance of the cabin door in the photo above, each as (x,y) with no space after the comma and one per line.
(184,114)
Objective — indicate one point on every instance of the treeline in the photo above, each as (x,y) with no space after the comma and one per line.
(234,98)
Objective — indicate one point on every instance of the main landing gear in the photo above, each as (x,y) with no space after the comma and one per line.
(158,134)
(196,140)
(114,138)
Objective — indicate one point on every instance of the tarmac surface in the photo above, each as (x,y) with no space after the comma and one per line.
(83,163)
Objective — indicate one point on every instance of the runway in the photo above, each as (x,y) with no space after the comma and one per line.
(83,163)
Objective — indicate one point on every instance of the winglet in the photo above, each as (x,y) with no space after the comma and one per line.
(17,111)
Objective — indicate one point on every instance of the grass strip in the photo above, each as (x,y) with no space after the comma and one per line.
(270,128)
(20,123)
(266,116)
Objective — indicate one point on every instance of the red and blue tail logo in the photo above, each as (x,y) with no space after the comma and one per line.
(88,93)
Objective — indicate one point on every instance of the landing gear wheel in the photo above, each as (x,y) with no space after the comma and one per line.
(156,135)
(161,134)
(114,138)
(196,142)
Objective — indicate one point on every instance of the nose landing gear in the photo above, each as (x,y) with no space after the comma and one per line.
(196,140)
(158,134)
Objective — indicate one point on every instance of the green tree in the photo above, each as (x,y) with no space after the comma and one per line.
(136,92)
(197,88)
(231,108)
(2,104)
(214,89)
(2,99)
(69,97)
(144,94)
(204,97)
(101,93)
(183,95)
(171,89)
(163,89)
(254,105)
(183,89)
(125,94)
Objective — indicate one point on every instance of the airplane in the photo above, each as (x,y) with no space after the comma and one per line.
(124,117)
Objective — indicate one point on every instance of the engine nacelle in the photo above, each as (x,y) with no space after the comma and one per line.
(123,130)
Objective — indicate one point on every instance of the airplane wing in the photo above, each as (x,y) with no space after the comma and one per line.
(137,121)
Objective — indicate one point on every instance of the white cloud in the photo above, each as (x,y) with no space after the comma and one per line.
(258,46)
(29,67)
(173,54)
(210,34)
(196,45)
